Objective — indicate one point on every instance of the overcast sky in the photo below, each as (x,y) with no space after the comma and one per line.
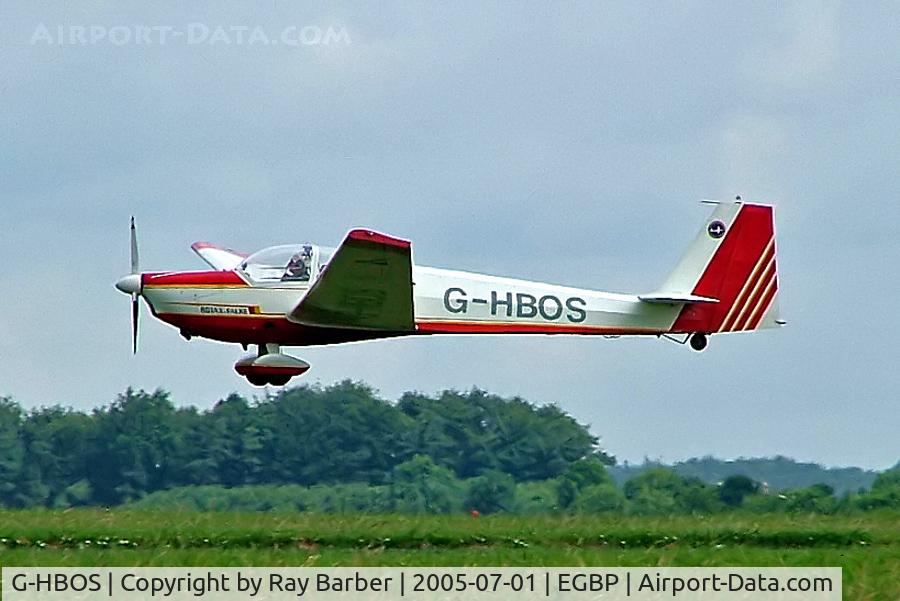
(565,142)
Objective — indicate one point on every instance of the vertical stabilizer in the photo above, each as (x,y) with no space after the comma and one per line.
(731,260)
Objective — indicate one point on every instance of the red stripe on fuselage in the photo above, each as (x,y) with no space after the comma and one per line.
(186,279)
(728,270)
(484,327)
(255,329)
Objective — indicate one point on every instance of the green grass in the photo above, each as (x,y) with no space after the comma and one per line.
(867,546)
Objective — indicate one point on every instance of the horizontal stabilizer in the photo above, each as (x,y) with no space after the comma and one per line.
(675,297)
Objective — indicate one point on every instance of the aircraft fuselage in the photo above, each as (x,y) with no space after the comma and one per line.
(227,306)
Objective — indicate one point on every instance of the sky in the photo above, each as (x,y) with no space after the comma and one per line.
(562,142)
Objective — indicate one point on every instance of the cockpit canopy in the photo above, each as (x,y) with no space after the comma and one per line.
(287,263)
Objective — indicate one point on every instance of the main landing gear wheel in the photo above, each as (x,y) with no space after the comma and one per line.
(273,380)
(698,341)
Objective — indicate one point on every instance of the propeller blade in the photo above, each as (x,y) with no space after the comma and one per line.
(135,259)
(135,313)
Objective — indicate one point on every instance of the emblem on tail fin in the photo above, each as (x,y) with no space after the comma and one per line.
(716,229)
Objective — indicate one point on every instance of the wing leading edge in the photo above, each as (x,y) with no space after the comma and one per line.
(367,285)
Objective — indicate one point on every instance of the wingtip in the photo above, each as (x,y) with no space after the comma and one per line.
(365,235)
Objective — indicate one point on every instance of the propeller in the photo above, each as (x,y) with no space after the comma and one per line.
(135,312)
(135,303)
(131,284)
(135,258)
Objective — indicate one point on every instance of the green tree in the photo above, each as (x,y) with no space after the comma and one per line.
(472,433)
(492,492)
(888,480)
(11,452)
(885,491)
(589,471)
(735,488)
(421,486)
(697,497)
(537,496)
(662,491)
(37,464)
(600,498)
(342,433)
(818,498)
(225,445)
(451,431)
(57,441)
(133,447)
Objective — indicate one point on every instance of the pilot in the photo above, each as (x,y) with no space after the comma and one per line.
(298,267)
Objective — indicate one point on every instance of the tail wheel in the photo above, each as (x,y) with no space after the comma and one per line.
(699,341)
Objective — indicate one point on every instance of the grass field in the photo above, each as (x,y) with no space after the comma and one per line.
(867,546)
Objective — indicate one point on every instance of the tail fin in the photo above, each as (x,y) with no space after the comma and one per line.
(731,260)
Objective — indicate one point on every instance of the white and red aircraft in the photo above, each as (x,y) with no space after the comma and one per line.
(368,288)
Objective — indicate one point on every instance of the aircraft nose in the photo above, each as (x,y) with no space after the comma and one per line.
(130,284)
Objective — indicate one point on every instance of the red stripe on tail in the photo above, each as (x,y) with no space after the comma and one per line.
(728,270)
(759,289)
(760,311)
(740,303)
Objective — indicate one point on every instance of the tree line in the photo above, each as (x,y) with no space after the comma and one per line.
(141,443)
(420,486)
(776,473)
(344,449)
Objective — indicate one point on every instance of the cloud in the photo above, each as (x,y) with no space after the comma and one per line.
(805,51)
(753,149)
